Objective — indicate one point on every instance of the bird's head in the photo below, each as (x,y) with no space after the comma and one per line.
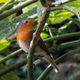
(26,24)
(24,28)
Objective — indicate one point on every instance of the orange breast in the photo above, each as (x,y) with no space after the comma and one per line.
(23,34)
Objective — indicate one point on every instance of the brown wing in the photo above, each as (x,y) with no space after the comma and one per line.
(43,46)
(47,56)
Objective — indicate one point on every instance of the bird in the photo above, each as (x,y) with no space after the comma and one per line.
(24,35)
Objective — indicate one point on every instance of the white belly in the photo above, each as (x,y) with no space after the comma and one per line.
(23,46)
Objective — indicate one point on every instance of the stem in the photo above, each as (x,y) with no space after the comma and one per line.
(18,7)
(63,36)
(69,44)
(10,56)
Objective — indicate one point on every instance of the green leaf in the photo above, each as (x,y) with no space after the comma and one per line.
(44,35)
(4,44)
(59,16)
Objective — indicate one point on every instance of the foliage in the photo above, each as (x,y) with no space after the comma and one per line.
(60,21)
(4,44)
(3,1)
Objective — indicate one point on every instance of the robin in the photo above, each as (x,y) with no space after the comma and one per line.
(24,36)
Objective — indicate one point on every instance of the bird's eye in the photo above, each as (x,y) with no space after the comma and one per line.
(26,21)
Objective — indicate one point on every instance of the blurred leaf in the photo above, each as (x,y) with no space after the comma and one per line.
(3,1)
(44,35)
(4,44)
(59,16)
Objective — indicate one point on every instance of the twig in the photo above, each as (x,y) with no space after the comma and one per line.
(34,42)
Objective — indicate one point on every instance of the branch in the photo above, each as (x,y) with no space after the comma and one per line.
(34,42)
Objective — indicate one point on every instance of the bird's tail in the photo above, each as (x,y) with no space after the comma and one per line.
(52,62)
(46,54)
